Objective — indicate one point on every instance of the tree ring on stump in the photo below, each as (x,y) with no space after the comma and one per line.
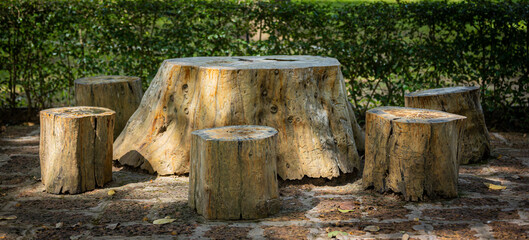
(78,112)
(442,91)
(238,133)
(107,79)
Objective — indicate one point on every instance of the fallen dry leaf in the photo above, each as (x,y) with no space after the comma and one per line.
(336,233)
(112,226)
(345,210)
(163,221)
(111,192)
(405,236)
(372,228)
(494,186)
(11,217)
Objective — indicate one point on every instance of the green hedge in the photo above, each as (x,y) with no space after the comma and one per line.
(386,49)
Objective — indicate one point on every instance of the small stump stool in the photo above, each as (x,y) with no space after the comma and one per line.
(462,101)
(233,172)
(76,148)
(412,151)
(120,93)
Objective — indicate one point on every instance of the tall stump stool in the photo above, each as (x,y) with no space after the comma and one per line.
(233,172)
(76,148)
(462,101)
(120,93)
(412,151)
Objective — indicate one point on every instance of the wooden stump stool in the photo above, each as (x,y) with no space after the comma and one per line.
(76,148)
(304,96)
(233,172)
(412,151)
(462,101)
(120,93)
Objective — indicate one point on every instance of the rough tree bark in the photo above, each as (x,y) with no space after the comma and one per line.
(233,172)
(304,97)
(359,135)
(462,101)
(76,148)
(120,93)
(412,151)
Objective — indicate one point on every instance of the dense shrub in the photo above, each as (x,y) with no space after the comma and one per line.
(386,49)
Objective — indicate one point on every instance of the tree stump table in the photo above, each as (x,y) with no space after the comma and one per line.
(233,172)
(120,93)
(412,151)
(304,97)
(462,101)
(76,148)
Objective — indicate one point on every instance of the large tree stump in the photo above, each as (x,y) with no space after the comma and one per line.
(412,151)
(462,101)
(304,97)
(233,172)
(120,93)
(76,148)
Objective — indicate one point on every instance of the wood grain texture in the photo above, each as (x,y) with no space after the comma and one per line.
(412,151)
(233,172)
(462,101)
(120,93)
(303,97)
(76,148)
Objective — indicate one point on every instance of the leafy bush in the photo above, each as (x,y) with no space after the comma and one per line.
(386,50)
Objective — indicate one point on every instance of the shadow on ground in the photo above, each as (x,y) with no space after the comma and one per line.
(310,207)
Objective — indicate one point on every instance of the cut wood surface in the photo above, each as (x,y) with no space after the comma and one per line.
(303,97)
(233,172)
(120,93)
(76,148)
(412,151)
(462,101)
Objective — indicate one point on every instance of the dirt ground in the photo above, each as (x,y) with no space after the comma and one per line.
(309,208)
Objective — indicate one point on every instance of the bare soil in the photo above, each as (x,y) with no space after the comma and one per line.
(310,208)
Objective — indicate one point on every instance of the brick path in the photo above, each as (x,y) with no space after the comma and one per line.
(309,208)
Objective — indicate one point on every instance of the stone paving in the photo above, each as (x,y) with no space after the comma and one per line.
(310,208)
